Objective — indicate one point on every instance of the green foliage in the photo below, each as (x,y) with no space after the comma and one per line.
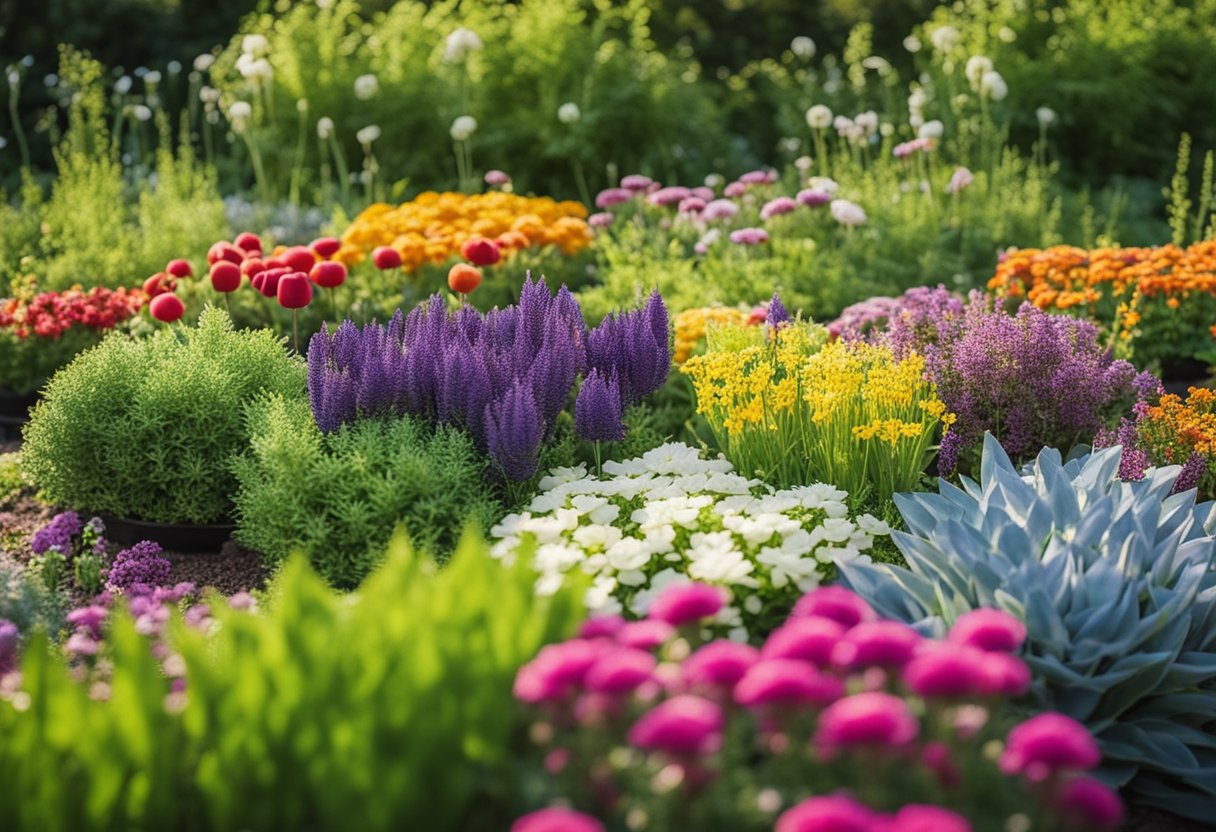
(387,709)
(25,600)
(147,429)
(26,363)
(1115,583)
(338,498)
(86,569)
(12,481)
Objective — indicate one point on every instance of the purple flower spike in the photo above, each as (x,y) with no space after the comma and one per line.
(597,410)
(514,432)
(776,315)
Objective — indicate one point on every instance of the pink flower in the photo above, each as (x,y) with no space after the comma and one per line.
(495,178)
(692,205)
(243,601)
(786,683)
(749,236)
(603,219)
(810,639)
(866,719)
(683,725)
(601,626)
(937,758)
(88,619)
(81,644)
(734,189)
(906,149)
(812,197)
(645,635)
(759,177)
(837,603)
(988,629)
(833,813)
(1049,743)
(1091,805)
(876,644)
(847,213)
(637,182)
(777,206)
(669,195)
(612,196)
(720,209)
(945,671)
(960,179)
(620,671)
(703,193)
(681,604)
(1004,675)
(923,818)
(557,820)
(719,664)
(556,671)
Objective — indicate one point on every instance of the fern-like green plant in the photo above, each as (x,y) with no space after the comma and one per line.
(339,497)
(147,429)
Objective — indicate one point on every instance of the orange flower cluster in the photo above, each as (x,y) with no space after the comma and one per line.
(1175,429)
(691,325)
(432,227)
(1063,276)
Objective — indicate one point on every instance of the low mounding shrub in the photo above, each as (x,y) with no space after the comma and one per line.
(387,709)
(338,496)
(1115,584)
(147,429)
(839,719)
(671,516)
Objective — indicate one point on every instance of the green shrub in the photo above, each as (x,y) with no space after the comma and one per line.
(338,497)
(147,429)
(11,478)
(25,599)
(386,709)
(1115,583)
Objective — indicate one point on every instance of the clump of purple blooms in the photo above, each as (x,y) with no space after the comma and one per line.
(59,534)
(139,568)
(1137,459)
(503,376)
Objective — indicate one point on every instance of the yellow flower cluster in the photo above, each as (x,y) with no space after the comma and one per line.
(889,430)
(692,325)
(432,227)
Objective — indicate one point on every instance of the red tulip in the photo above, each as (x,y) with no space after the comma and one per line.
(295,291)
(167,308)
(248,241)
(299,258)
(325,247)
(267,282)
(480,252)
(386,257)
(275,263)
(225,277)
(224,251)
(158,284)
(179,268)
(328,274)
(252,266)
(463,278)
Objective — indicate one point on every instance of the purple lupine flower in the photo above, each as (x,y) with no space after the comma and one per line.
(57,534)
(514,432)
(776,314)
(597,410)
(552,376)
(139,565)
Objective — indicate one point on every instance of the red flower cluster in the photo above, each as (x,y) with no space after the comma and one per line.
(50,314)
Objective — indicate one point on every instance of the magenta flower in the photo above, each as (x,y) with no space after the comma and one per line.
(720,209)
(81,644)
(496,178)
(555,672)
(923,818)
(612,196)
(1004,675)
(669,196)
(777,206)
(681,604)
(557,820)
(988,629)
(833,813)
(734,189)
(601,626)
(637,182)
(960,179)
(759,177)
(810,639)
(866,719)
(837,603)
(719,665)
(876,644)
(786,683)
(645,635)
(1047,744)
(749,236)
(10,641)
(682,725)
(602,219)
(1091,805)
(88,619)
(692,205)
(812,197)
(945,671)
(620,671)
(937,758)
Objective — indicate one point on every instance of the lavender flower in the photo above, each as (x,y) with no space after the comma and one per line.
(57,534)
(514,432)
(776,315)
(597,410)
(139,566)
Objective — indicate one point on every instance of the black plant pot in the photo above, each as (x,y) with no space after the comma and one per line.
(172,537)
(1180,374)
(15,412)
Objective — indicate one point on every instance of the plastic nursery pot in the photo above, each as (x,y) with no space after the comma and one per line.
(15,412)
(188,538)
(1180,374)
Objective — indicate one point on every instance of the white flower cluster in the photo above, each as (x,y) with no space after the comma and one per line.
(672,516)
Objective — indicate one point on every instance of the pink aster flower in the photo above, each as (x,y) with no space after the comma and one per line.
(1091,805)
(786,683)
(988,629)
(612,196)
(923,818)
(1047,744)
(720,209)
(718,665)
(809,639)
(832,813)
(812,197)
(1004,675)
(620,671)
(837,603)
(759,177)
(692,205)
(645,635)
(81,644)
(777,206)
(704,193)
(866,719)
(671,195)
(556,672)
(601,219)
(637,182)
(88,619)
(682,725)
(876,644)
(734,189)
(681,604)
(945,671)
(749,236)
(497,178)
(960,179)
(557,820)
(601,626)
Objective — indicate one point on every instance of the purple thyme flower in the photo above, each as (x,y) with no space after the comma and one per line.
(141,564)
(57,534)
(597,410)
(514,432)
(1192,471)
